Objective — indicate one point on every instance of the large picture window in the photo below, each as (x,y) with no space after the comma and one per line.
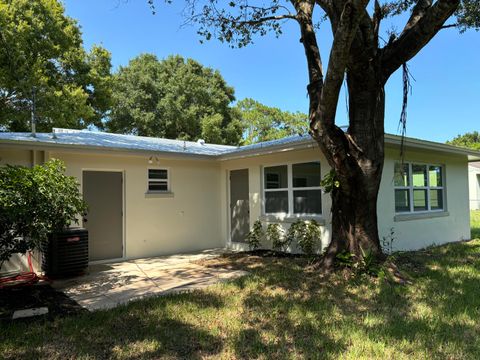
(293,189)
(419,188)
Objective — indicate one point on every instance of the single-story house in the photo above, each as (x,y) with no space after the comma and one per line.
(152,196)
(474,182)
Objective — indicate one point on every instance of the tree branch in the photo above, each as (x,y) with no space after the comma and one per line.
(420,29)
(309,41)
(449,26)
(418,12)
(377,18)
(267,18)
(352,14)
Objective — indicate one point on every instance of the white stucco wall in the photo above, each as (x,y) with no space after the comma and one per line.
(254,165)
(197,215)
(416,232)
(158,225)
(474,187)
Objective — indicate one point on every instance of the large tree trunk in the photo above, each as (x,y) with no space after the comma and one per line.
(357,155)
(358,165)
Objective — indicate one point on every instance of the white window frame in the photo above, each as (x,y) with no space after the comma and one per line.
(410,188)
(290,189)
(167,180)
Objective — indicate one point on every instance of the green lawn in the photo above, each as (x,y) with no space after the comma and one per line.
(475,221)
(282,310)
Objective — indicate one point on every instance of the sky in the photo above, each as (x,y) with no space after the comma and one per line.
(445,97)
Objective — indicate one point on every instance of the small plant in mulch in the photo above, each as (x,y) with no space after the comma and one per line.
(276,238)
(367,264)
(255,236)
(306,234)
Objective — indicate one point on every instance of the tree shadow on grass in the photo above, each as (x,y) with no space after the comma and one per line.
(284,310)
(140,330)
(292,312)
(438,313)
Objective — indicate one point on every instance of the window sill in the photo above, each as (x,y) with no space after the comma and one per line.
(292,219)
(158,194)
(429,215)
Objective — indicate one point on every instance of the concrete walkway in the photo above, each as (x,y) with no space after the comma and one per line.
(108,285)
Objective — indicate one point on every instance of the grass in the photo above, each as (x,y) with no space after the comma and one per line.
(283,310)
(475,222)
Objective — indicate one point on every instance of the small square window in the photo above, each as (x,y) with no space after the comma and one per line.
(158,180)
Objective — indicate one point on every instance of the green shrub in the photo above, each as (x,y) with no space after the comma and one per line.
(254,237)
(35,202)
(306,234)
(274,237)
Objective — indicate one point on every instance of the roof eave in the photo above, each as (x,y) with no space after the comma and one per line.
(32,145)
(472,155)
(240,154)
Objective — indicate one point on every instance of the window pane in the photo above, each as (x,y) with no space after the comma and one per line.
(435,175)
(307,202)
(402,201)
(419,200)
(436,199)
(276,177)
(157,174)
(419,175)
(276,202)
(306,174)
(401,176)
(157,186)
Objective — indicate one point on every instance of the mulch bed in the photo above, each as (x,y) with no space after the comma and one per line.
(35,296)
(273,253)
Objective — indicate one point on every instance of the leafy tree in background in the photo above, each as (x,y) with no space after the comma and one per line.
(41,52)
(175,98)
(263,123)
(468,140)
(363,53)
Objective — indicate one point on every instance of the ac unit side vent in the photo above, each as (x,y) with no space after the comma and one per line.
(66,253)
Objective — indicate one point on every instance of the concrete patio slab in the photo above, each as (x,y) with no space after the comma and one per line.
(108,285)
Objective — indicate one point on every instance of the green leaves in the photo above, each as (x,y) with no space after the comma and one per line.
(255,236)
(35,202)
(330,182)
(468,140)
(306,234)
(175,98)
(263,123)
(41,51)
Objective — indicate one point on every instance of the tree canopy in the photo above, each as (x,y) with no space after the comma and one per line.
(469,140)
(175,98)
(263,123)
(42,57)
